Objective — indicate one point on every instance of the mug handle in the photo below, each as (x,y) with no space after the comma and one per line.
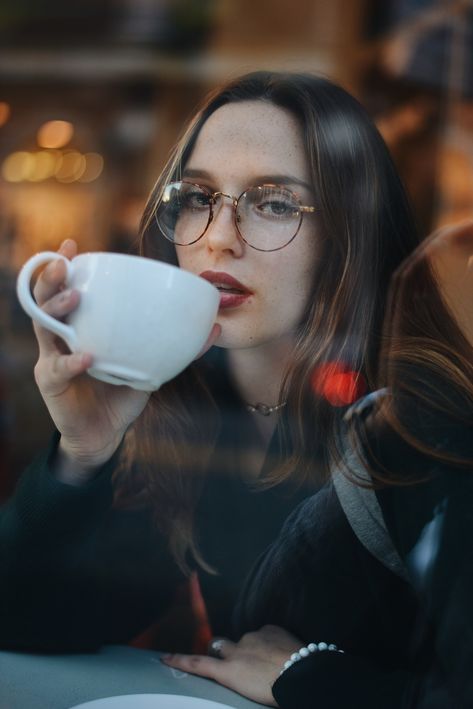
(23,290)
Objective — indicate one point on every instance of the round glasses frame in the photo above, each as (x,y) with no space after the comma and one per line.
(213,197)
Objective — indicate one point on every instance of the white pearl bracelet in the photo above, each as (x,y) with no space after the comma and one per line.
(306,651)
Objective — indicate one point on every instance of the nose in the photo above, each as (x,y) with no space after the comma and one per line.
(222,234)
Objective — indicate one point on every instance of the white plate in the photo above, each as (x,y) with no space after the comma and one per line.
(151,701)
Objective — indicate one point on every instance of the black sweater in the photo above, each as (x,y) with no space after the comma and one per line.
(76,573)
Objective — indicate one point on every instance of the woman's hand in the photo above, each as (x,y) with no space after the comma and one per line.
(250,666)
(91,416)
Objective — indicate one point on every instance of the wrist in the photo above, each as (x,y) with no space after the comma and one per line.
(74,468)
(308,650)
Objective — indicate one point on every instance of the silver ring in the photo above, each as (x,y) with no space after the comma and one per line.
(215,648)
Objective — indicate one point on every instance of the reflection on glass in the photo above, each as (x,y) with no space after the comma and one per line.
(415,439)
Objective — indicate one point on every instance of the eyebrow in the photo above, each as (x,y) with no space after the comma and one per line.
(258,180)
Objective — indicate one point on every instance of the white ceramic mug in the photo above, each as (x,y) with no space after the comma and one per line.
(142,320)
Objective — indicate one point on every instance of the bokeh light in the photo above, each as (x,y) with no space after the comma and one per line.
(72,167)
(18,166)
(93,167)
(55,134)
(66,167)
(45,164)
(5,112)
(338,384)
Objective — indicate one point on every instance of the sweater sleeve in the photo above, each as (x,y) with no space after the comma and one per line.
(321,584)
(43,507)
(75,572)
(331,680)
(431,641)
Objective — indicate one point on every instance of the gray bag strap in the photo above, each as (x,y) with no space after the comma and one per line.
(364,513)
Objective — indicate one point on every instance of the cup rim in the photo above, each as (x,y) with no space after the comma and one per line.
(164,264)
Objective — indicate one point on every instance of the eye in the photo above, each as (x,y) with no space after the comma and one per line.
(274,204)
(194,200)
(276,208)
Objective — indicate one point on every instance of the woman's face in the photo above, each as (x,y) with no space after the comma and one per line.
(242,145)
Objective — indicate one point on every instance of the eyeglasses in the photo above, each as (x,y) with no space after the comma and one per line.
(267,217)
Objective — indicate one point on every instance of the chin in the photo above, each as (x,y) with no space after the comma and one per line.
(232,338)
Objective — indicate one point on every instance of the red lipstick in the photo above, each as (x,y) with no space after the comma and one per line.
(232,292)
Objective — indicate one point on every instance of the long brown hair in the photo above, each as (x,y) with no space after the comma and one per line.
(365,229)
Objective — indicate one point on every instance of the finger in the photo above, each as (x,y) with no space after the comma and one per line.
(201,665)
(53,374)
(225,672)
(68,248)
(62,303)
(52,277)
(220,647)
(211,340)
(58,307)
(50,281)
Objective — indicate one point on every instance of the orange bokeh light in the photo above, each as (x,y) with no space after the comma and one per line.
(55,134)
(338,384)
(5,111)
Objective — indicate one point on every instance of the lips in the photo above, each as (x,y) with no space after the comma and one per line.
(224,282)
(232,292)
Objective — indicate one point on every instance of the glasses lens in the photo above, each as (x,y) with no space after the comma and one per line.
(268,217)
(184,212)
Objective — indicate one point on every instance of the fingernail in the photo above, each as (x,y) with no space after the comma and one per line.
(64,243)
(166,657)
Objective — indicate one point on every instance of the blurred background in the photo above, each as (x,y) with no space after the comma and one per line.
(94,93)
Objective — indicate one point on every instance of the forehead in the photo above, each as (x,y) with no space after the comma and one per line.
(255,137)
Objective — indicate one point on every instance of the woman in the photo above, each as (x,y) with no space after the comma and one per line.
(293,209)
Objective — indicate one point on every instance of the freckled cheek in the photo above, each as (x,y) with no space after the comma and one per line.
(280,302)
(291,298)
(186,260)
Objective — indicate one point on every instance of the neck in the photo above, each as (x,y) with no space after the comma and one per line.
(257,373)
